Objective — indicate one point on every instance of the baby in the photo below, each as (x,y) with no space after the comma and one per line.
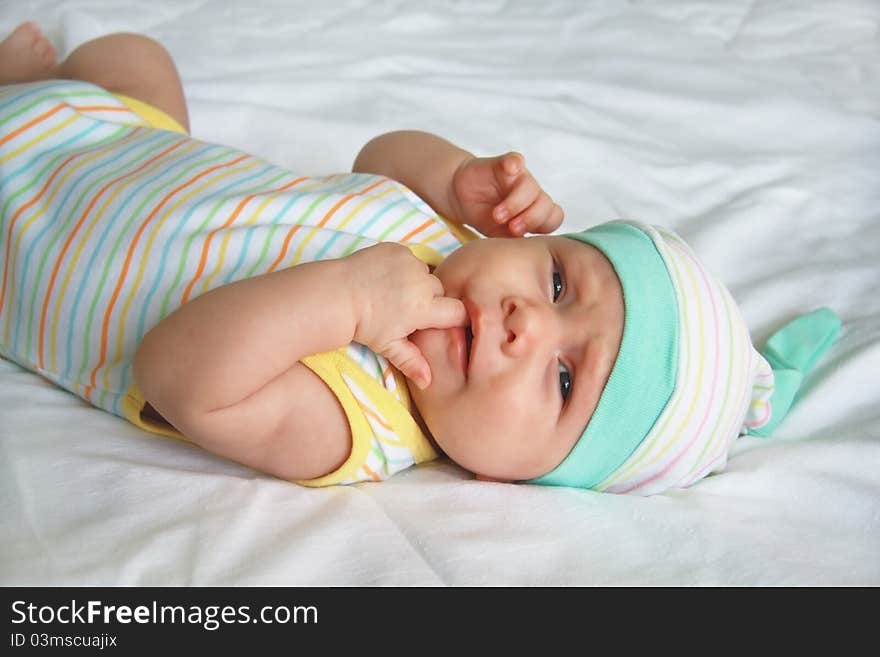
(340,329)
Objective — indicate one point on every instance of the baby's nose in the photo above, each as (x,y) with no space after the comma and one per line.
(525,325)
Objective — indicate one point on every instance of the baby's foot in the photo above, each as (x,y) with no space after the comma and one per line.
(26,55)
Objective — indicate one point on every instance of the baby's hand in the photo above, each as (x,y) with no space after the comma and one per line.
(500,198)
(394,295)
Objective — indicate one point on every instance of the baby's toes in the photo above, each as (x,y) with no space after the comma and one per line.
(28,30)
(45,51)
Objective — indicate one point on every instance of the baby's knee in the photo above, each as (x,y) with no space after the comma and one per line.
(118,61)
(143,52)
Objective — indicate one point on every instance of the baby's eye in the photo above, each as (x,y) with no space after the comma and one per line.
(564,381)
(558,285)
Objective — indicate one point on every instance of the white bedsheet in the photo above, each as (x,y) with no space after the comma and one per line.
(750,126)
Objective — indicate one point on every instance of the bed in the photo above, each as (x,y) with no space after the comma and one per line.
(751,127)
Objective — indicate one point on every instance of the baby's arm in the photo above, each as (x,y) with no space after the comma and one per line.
(423,162)
(219,368)
(224,368)
(496,195)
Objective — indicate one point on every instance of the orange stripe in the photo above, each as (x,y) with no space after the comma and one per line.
(369,411)
(323,221)
(284,246)
(105,326)
(72,235)
(100,108)
(15,218)
(207,245)
(31,123)
(203,261)
(372,474)
(417,230)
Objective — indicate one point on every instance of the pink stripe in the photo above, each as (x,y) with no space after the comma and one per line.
(702,473)
(744,393)
(707,469)
(757,424)
(696,435)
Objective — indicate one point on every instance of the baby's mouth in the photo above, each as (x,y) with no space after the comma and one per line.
(473,315)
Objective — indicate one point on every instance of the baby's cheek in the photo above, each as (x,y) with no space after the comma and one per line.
(452,282)
(459,266)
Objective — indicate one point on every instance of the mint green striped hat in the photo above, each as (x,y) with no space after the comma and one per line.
(687,380)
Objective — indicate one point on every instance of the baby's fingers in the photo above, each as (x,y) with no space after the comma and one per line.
(551,222)
(406,357)
(511,164)
(447,312)
(524,193)
(543,216)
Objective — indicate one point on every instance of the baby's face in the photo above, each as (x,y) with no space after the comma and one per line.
(546,317)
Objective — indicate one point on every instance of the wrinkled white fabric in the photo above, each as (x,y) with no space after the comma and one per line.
(751,128)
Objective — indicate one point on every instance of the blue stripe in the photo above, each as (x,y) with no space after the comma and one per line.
(171,241)
(4,212)
(98,252)
(378,216)
(54,223)
(42,86)
(130,223)
(122,232)
(294,196)
(337,234)
(282,214)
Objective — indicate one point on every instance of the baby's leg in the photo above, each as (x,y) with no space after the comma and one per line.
(129,64)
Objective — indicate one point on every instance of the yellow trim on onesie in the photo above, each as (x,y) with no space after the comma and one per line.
(330,366)
(433,257)
(426,254)
(155,118)
(133,405)
(462,232)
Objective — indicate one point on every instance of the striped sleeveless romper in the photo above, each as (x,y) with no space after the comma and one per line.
(111,217)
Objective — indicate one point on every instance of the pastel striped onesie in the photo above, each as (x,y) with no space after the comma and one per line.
(109,223)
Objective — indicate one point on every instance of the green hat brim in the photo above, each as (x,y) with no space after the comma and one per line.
(644,373)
